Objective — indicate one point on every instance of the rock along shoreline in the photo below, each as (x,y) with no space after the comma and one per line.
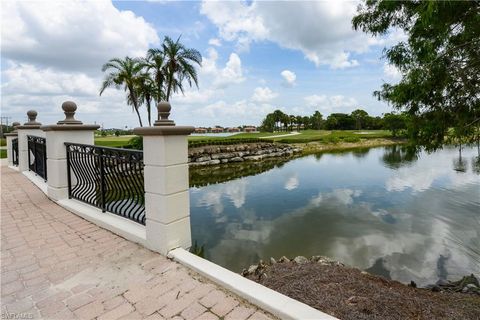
(218,154)
(350,293)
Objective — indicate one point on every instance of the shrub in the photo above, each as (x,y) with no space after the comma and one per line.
(201,143)
(351,139)
(135,143)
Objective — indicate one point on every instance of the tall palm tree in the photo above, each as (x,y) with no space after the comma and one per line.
(146,91)
(124,73)
(155,63)
(179,65)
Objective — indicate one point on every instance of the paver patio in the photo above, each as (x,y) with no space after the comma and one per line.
(56,265)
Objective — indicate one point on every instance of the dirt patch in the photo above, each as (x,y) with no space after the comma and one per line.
(349,293)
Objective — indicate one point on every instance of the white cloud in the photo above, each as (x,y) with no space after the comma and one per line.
(54,50)
(232,73)
(320,29)
(28,79)
(264,94)
(193,96)
(215,42)
(241,111)
(327,104)
(289,78)
(292,182)
(391,72)
(72,35)
(343,196)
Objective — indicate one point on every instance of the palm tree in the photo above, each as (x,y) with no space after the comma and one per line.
(146,91)
(124,72)
(155,63)
(178,65)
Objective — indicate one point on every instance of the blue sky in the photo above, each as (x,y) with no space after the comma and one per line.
(258,57)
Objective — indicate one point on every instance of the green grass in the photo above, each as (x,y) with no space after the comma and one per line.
(3,142)
(304,137)
(112,141)
(334,136)
(3,153)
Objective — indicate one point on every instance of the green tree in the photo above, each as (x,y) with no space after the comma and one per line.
(155,64)
(340,121)
(268,124)
(394,122)
(124,72)
(278,116)
(146,91)
(361,118)
(316,120)
(439,63)
(179,65)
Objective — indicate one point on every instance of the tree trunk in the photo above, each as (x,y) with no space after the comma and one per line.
(149,112)
(135,103)
(139,118)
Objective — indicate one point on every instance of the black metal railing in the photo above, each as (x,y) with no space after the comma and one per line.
(15,151)
(37,155)
(108,178)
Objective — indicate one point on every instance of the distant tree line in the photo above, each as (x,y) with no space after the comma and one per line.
(357,120)
(155,77)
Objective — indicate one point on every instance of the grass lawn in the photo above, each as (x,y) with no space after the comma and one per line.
(3,142)
(3,153)
(333,136)
(112,141)
(303,137)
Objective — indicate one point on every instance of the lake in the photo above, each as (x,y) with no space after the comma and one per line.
(392,211)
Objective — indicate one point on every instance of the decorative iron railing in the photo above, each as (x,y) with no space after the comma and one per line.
(108,178)
(15,151)
(37,155)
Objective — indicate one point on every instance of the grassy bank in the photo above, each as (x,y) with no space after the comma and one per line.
(334,139)
(315,147)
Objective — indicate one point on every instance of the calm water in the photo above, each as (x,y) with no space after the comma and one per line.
(400,214)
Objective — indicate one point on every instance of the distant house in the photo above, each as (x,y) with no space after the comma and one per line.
(250,129)
(233,129)
(217,130)
(201,130)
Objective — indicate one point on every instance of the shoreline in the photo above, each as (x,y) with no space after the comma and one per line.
(318,147)
(349,293)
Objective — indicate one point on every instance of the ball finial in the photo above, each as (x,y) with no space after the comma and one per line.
(32,118)
(163,108)
(69,108)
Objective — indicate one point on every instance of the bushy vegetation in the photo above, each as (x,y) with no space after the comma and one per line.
(200,143)
(137,142)
(357,120)
(439,62)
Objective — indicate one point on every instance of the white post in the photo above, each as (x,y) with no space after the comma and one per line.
(10,137)
(30,128)
(68,130)
(167,202)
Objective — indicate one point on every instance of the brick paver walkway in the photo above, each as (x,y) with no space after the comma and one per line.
(55,265)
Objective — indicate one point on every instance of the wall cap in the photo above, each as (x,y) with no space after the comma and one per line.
(164,131)
(29,126)
(11,134)
(69,127)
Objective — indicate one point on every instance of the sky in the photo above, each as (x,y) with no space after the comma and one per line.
(258,56)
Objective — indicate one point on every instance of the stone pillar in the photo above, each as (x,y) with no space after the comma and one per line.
(68,130)
(167,202)
(10,136)
(30,128)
